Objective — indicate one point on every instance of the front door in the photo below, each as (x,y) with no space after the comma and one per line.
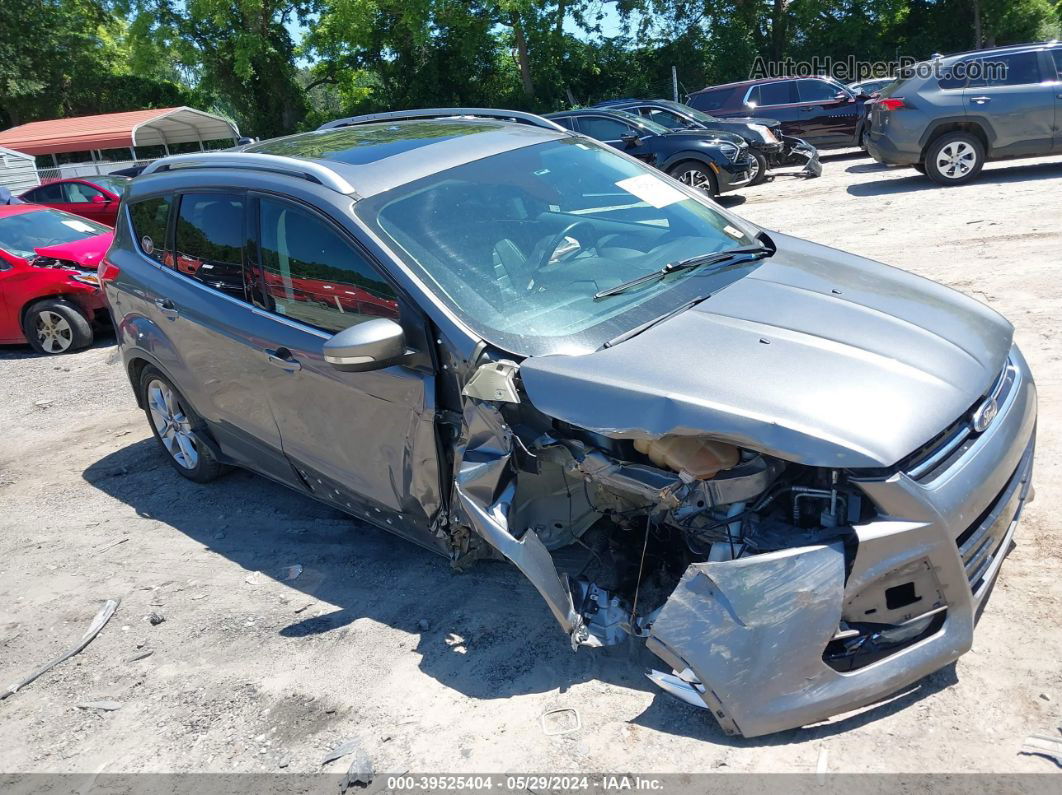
(1017,100)
(829,120)
(611,131)
(364,441)
(89,202)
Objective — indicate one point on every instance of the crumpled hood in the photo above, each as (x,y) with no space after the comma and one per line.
(817,356)
(87,252)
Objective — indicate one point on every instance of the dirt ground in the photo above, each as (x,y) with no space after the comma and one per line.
(434,671)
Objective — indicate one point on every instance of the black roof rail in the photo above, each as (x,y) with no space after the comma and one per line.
(445,113)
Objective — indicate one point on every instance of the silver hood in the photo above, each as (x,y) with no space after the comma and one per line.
(818,357)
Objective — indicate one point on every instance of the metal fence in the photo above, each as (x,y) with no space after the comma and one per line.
(87,169)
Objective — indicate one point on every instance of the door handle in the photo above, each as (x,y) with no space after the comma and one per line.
(167,308)
(981,100)
(282,358)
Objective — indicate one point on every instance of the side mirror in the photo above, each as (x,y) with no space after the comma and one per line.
(371,345)
(99,198)
(630,139)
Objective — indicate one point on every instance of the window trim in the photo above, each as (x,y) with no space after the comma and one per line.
(792,91)
(406,306)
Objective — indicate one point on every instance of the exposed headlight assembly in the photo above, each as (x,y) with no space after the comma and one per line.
(765,132)
(730,152)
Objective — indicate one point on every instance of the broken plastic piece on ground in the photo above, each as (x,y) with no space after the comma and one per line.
(360,772)
(560,721)
(141,655)
(1038,745)
(341,750)
(104,706)
(101,619)
(688,691)
(286,574)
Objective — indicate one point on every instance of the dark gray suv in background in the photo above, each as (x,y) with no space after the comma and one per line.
(967,109)
(792,473)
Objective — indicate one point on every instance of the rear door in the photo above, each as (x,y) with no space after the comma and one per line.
(364,441)
(213,346)
(1017,99)
(50,195)
(779,101)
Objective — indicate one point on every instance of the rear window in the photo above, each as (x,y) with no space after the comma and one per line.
(209,241)
(772,94)
(150,218)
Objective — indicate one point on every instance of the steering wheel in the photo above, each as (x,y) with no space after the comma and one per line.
(545,266)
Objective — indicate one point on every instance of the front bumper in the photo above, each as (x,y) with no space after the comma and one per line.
(748,638)
(797,152)
(734,175)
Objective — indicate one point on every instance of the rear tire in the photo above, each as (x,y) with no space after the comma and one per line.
(696,175)
(179,431)
(954,158)
(760,167)
(55,326)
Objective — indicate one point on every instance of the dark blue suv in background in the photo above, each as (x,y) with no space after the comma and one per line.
(715,162)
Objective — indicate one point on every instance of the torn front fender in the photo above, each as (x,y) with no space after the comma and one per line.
(484,485)
(751,632)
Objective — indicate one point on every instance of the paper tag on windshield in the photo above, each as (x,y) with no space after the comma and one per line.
(733,232)
(76,225)
(652,190)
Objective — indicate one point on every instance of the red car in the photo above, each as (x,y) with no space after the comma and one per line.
(95,198)
(49,294)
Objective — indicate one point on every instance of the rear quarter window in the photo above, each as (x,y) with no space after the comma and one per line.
(150,219)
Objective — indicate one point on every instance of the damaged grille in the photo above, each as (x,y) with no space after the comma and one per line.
(982,542)
(943,450)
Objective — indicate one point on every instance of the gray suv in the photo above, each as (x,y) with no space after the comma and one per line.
(791,472)
(954,113)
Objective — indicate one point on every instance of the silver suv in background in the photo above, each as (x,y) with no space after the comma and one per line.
(953,114)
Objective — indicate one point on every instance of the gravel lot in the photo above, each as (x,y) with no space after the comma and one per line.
(434,671)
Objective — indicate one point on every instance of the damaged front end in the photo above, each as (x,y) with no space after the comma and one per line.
(777,593)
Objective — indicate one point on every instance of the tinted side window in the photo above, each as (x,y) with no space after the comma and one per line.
(1018,69)
(815,91)
(1058,61)
(150,219)
(46,194)
(665,117)
(603,129)
(309,273)
(80,193)
(209,240)
(773,94)
(565,121)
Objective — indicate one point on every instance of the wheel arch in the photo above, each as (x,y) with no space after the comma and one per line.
(70,298)
(677,158)
(975,126)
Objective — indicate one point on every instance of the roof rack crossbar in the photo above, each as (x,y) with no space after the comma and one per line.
(443,113)
(305,169)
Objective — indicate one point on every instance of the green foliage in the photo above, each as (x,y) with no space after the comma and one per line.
(241,57)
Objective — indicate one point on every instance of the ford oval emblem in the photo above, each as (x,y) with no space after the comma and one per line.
(984,414)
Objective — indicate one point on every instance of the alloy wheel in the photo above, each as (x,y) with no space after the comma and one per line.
(53,332)
(956,159)
(172,423)
(696,178)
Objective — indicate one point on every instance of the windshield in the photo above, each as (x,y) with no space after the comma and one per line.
(23,233)
(517,244)
(693,113)
(115,184)
(641,121)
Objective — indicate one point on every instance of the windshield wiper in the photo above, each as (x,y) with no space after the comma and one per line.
(715,258)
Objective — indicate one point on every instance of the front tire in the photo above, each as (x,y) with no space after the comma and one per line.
(55,326)
(954,158)
(759,168)
(696,175)
(179,431)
